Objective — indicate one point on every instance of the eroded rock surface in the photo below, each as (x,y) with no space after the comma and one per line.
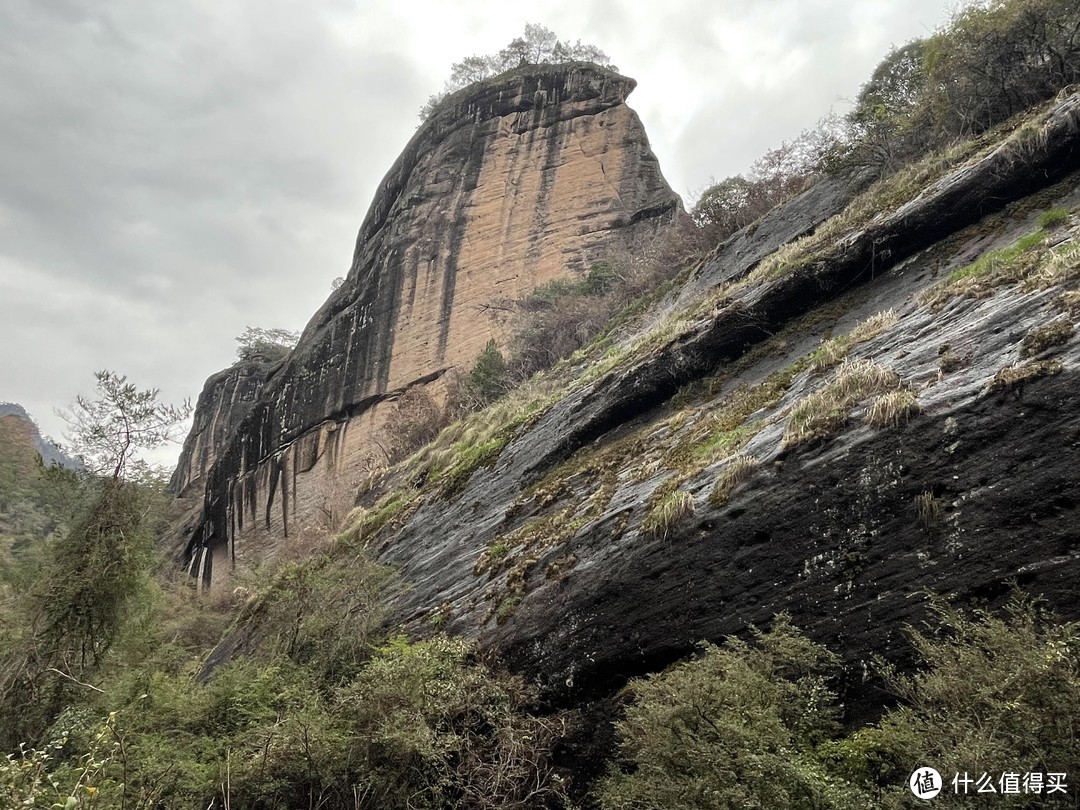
(227,397)
(508,185)
(553,555)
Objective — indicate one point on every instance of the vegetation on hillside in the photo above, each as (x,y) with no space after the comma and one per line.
(754,724)
(108,699)
(994,59)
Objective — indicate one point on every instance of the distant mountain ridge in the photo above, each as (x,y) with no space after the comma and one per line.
(50,452)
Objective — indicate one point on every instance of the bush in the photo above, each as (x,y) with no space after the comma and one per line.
(565,315)
(489,379)
(435,729)
(734,728)
(996,694)
(414,420)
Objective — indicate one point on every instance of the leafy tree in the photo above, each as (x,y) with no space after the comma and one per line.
(994,58)
(106,433)
(729,205)
(95,572)
(895,86)
(268,344)
(733,203)
(97,566)
(999,57)
(537,46)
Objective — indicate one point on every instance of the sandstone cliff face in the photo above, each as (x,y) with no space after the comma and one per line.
(508,185)
(227,397)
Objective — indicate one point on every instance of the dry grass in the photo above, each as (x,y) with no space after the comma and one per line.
(1044,337)
(830,354)
(671,507)
(478,438)
(873,326)
(892,409)
(363,525)
(950,362)
(1016,375)
(824,412)
(993,269)
(880,200)
(1059,265)
(1069,302)
(834,350)
(741,468)
(929,511)
(1026,261)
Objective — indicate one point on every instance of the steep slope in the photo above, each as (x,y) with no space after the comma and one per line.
(828,427)
(509,184)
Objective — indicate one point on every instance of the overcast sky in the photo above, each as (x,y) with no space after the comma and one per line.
(171,172)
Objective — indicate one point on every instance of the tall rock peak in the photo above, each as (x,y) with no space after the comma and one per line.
(512,182)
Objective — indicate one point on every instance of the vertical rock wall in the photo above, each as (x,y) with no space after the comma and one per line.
(510,184)
(227,397)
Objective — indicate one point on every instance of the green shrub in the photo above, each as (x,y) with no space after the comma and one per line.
(432,728)
(734,728)
(489,379)
(997,693)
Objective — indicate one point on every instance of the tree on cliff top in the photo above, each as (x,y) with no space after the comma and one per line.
(258,343)
(537,46)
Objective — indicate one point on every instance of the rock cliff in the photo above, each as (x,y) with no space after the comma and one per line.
(509,184)
(870,394)
(227,397)
(829,427)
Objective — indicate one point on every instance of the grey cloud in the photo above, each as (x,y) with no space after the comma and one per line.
(172,172)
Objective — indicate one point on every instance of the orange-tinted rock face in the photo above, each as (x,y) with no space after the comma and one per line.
(510,184)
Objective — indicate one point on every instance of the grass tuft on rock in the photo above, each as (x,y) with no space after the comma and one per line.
(667,510)
(824,412)
(741,468)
